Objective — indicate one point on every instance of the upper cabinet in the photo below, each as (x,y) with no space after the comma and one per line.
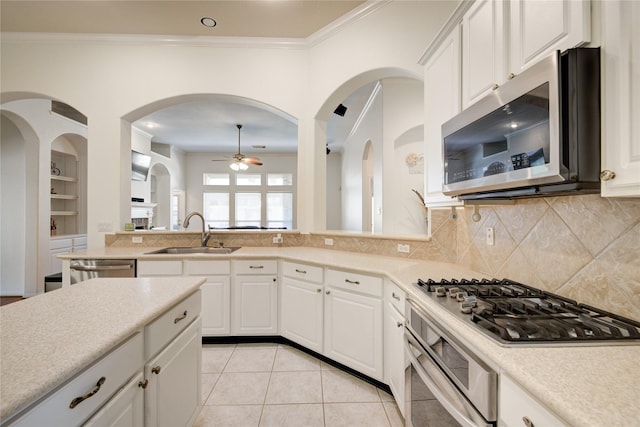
(484,40)
(620,56)
(442,102)
(538,28)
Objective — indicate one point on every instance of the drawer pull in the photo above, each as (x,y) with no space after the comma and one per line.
(319,290)
(399,324)
(328,292)
(394,296)
(527,421)
(156,369)
(256,266)
(75,402)
(177,319)
(143,384)
(353,282)
(301,271)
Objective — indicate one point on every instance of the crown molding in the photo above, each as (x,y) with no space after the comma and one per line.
(198,41)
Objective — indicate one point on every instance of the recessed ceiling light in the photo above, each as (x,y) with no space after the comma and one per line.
(208,22)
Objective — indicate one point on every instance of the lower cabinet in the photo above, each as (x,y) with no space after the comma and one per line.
(254,298)
(125,409)
(173,389)
(353,321)
(394,320)
(216,294)
(517,408)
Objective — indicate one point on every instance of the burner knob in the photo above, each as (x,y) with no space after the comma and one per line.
(453,292)
(441,291)
(461,296)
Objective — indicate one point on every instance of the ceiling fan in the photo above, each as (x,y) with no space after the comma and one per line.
(240,161)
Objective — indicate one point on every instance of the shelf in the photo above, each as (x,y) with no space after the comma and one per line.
(63,213)
(64,197)
(63,178)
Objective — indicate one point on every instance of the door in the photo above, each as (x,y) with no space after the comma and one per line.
(216,302)
(301,313)
(255,305)
(173,393)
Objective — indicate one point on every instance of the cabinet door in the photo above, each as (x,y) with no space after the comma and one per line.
(301,313)
(159,268)
(173,391)
(442,102)
(394,364)
(125,409)
(353,331)
(620,58)
(483,54)
(216,304)
(541,27)
(255,305)
(517,408)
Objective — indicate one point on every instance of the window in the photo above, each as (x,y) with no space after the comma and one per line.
(215,178)
(248,209)
(280,210)
(248,200)
(216,210)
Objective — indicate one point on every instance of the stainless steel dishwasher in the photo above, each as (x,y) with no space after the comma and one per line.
(85,269)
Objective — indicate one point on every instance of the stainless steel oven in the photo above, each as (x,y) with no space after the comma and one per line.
(446,384)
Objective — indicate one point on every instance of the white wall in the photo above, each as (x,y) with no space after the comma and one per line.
(115,83)
(334,191)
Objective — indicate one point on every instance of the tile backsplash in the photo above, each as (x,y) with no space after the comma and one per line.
(585,248)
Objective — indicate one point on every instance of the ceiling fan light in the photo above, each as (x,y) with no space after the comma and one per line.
(239,166)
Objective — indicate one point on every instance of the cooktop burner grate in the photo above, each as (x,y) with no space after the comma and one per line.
(515,313)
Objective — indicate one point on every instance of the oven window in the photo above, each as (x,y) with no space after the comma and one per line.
(515,136)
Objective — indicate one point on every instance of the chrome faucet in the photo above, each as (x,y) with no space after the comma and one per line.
(205,234)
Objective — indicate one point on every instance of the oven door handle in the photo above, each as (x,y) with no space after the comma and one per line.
(441,387)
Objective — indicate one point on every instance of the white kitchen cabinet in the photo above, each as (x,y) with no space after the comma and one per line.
(125,409)
(150,268)
(483,49)
(442,85)
(302,304)
(254,297)
(537,28)
(173,388)
(216,294)
(394,320)
(517,408)
(620,59)
(353,321)
(88,391)
(64,245)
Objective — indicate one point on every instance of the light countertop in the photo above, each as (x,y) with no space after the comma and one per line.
(584,386)
(49,338)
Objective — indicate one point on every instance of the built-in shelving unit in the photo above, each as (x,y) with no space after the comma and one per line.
(64,194)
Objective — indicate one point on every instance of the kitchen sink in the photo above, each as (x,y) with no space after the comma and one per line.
(194,250)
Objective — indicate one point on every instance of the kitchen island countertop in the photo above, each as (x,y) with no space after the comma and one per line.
(585,386)
(49,338)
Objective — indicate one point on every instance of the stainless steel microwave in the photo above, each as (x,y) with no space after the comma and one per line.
(536,135)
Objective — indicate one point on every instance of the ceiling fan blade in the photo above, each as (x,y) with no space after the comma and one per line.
(252,161)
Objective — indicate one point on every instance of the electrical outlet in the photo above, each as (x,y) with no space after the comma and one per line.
(403,248)
(136,239)
(491,238)
(328,242)
(277,238)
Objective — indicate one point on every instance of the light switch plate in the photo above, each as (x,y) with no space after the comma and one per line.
(403,248)
(328,242)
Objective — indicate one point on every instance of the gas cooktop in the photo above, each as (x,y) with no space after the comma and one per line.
(513,313)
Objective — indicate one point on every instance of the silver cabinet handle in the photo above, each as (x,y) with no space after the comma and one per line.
(256,266)
(143,384)
(353,282)
(75,402)
(156,369)
(607,175)
(177,319)
(511,75)
(301,271)
(495,86)
(394,296)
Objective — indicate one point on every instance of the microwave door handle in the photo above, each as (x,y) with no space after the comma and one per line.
(434,385)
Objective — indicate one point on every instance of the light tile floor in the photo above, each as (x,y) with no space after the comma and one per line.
(277,385)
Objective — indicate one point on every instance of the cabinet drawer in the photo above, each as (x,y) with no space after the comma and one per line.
(160,268)
(206,268)
(355,282)
(256,266)
(116,368)
(305,272)
(79,241)
(169,325)
(60,244)
(394,295)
